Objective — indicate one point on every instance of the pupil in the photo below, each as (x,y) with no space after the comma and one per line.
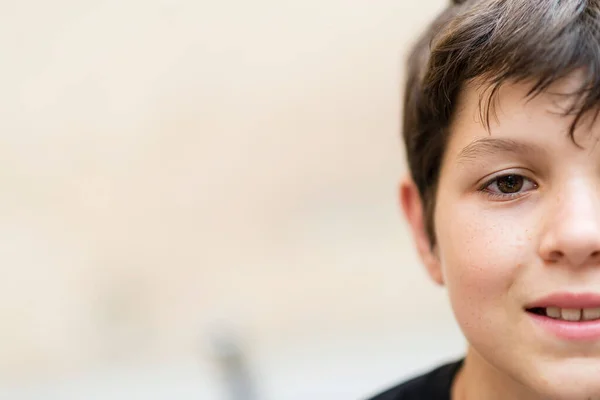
(510,183)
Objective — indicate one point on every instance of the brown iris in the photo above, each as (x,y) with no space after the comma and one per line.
(510,183)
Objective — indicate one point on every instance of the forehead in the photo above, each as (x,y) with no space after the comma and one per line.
(541,121)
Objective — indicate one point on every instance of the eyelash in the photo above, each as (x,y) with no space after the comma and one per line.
(504,196)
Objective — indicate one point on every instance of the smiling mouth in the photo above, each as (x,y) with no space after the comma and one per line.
(567,314)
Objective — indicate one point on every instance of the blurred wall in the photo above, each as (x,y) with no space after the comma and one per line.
(175,169)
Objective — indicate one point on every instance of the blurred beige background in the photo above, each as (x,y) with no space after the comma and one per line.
(173,171)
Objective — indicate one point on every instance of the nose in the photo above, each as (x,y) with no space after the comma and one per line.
(572,229)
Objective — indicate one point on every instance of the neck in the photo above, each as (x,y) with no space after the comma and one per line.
(477,379)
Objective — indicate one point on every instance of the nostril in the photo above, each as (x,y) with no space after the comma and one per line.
(595,254)
(555,256)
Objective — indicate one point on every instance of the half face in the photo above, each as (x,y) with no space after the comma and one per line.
(518,242)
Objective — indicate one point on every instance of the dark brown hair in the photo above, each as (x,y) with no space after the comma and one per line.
(493,42)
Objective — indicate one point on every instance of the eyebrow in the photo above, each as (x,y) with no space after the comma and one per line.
(489,146)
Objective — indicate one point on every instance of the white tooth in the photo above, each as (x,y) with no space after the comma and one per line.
(591,313)
(553,312)
(570,314)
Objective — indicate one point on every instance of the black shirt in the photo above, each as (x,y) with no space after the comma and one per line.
(434,385)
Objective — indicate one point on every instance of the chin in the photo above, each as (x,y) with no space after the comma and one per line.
(591,392)
(572,380)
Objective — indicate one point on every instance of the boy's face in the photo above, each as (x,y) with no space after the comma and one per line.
(518,220)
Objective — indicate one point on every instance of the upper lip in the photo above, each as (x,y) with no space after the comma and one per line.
(567,300)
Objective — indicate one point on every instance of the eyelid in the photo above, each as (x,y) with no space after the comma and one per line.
(488,180)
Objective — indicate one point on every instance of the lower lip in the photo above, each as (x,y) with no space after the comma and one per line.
(567,330)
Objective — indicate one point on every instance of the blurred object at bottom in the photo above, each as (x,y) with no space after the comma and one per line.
(232,362)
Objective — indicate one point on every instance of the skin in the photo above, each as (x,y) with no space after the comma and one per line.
(496,252)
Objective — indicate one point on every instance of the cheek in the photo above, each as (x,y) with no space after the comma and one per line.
(481,254)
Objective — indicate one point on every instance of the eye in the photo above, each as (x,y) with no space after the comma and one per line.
(508,186)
